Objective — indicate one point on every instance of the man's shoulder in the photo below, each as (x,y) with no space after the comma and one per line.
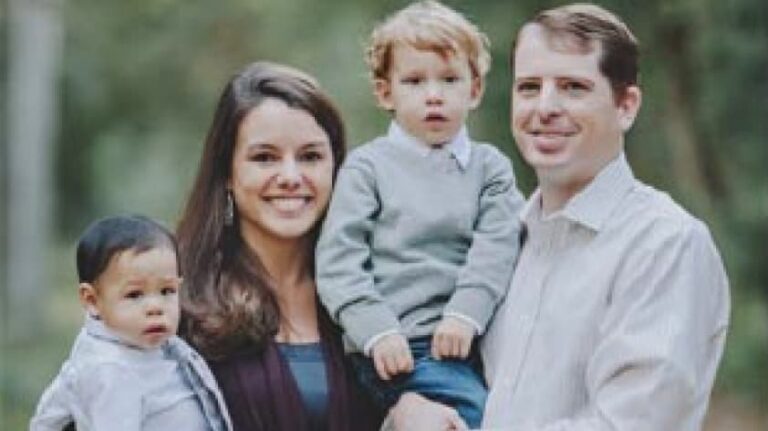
(656,217)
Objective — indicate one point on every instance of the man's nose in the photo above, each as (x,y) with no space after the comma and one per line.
(549,103)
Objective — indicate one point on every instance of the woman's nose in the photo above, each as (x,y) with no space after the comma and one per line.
(289,174)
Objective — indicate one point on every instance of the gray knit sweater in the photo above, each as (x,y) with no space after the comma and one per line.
(411,236)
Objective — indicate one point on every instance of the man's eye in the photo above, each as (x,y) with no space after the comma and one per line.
(575,88)
(134,294)
(527,88)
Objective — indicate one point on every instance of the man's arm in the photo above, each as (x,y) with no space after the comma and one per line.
(344,283)
(661,340)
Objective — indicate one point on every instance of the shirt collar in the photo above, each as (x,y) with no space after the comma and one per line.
(459,145)
(593,205)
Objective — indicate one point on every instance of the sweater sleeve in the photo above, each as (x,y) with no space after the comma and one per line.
(484,278)
(344,281)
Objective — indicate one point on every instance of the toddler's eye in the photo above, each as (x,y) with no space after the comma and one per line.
(411,80)
(134,294)
(451,79)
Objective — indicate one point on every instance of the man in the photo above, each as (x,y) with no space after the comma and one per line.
(617,312)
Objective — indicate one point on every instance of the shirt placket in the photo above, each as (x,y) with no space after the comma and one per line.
(525,312)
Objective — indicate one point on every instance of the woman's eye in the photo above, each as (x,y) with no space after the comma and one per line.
(263,157)
(311,156)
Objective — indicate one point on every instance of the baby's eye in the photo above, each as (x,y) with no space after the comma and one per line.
(411,80)
(169,290)
(134,294)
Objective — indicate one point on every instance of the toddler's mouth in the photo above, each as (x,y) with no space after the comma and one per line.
(435,118)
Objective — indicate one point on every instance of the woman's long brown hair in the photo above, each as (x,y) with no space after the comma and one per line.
(227,302)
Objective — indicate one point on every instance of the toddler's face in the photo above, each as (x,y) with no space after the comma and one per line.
(430,95)
(137,296)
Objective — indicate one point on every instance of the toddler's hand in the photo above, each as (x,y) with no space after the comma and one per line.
(392,356)
(452,338)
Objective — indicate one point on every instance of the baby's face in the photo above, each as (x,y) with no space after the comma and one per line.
(137,296)
(430,95)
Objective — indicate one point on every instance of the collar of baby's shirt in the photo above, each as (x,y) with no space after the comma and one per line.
(459,146)
(98,330)
(593,205)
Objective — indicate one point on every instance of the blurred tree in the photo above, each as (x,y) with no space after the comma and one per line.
(35,48)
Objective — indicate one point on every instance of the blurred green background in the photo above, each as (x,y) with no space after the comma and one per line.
(129,87)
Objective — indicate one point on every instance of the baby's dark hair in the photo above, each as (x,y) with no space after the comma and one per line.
(107,237)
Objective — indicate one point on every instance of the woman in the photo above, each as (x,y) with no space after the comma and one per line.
(247,239)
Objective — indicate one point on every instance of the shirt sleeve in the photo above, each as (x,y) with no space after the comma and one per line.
(52,412)
(344,283)
(661,340)
(484,278)
(111,398)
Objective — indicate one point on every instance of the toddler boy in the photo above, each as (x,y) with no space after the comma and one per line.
(422,232)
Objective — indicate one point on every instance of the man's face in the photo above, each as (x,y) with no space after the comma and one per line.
(565,119)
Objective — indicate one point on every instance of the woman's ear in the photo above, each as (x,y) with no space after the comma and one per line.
(89,298)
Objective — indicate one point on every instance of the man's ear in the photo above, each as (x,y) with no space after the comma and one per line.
(89,299)
(383,92)
(629,106)
(476,92)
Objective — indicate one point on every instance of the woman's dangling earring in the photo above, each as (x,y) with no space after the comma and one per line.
(229,211)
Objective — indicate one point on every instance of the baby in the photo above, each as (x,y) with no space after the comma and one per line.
(127,369)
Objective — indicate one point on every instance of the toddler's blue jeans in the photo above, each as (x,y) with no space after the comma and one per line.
(457,383)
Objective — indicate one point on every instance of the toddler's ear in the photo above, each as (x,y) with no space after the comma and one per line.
(383,92)
(477,90)
(88,298)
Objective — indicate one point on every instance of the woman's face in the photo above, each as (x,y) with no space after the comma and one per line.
(282,172)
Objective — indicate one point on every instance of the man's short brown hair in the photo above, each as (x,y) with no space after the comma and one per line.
(583,27)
